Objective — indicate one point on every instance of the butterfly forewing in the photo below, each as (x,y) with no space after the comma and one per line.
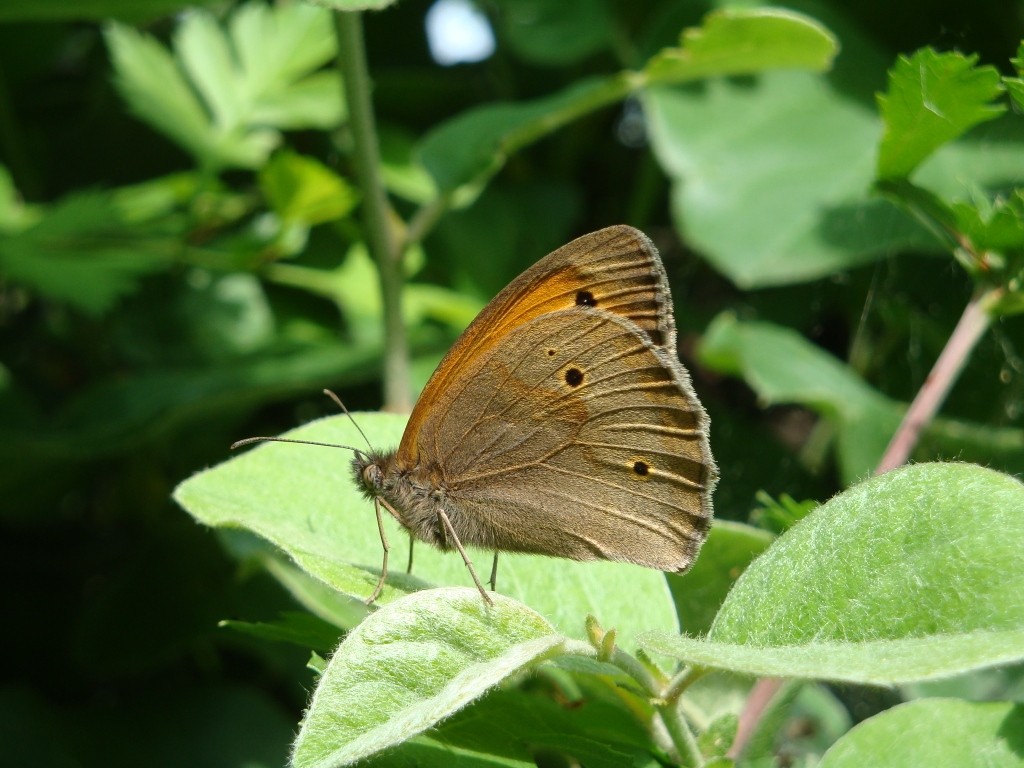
(577,430)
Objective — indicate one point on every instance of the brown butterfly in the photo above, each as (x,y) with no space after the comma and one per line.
(560,423)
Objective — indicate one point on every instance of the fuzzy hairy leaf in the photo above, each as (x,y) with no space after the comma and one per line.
(410,665)
(906,576)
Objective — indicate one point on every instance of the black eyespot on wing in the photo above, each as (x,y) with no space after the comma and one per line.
(642,468)
(574,377)
(551,352)
(585,299)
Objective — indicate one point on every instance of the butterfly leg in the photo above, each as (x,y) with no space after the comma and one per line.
(408,568)
(494,571)
(384,566)
(465,558)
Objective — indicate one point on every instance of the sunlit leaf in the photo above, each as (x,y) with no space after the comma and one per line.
(860,589)
(410,665)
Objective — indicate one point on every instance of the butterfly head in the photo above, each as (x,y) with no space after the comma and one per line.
(369,469)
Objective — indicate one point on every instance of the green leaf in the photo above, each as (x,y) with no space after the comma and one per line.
(304,191)
(84,252)
(903,577)
(783,195)
(243,86)
(934,732)
(410,665)
(932,99)
(867,662)
(156,91)
(698,593)
(304,500)
(737,42)
(339,610)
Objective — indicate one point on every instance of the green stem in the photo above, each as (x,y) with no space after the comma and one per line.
(376,209)
(663,696)
(679,731)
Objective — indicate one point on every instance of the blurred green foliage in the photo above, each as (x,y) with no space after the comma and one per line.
(182,264)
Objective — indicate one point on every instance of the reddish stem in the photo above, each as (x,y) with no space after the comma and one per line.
(973,323)
(757,702)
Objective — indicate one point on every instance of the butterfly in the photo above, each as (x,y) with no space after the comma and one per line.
(560,423)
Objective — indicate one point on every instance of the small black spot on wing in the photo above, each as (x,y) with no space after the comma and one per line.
(585,299)
(573,377)
(641,468)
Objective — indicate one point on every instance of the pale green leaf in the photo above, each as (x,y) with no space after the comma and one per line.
(312,102)
(903,577)
(938,733)
(277,46)
(875,662)
(410,665)
(304,500)
(783,367)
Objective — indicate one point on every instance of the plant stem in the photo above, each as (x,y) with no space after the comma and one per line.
(664,695)
(376,210)
(679,731)
(754,707)
(973,323)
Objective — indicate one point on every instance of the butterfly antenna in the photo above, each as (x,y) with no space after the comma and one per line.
(355,423)
(249,440)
